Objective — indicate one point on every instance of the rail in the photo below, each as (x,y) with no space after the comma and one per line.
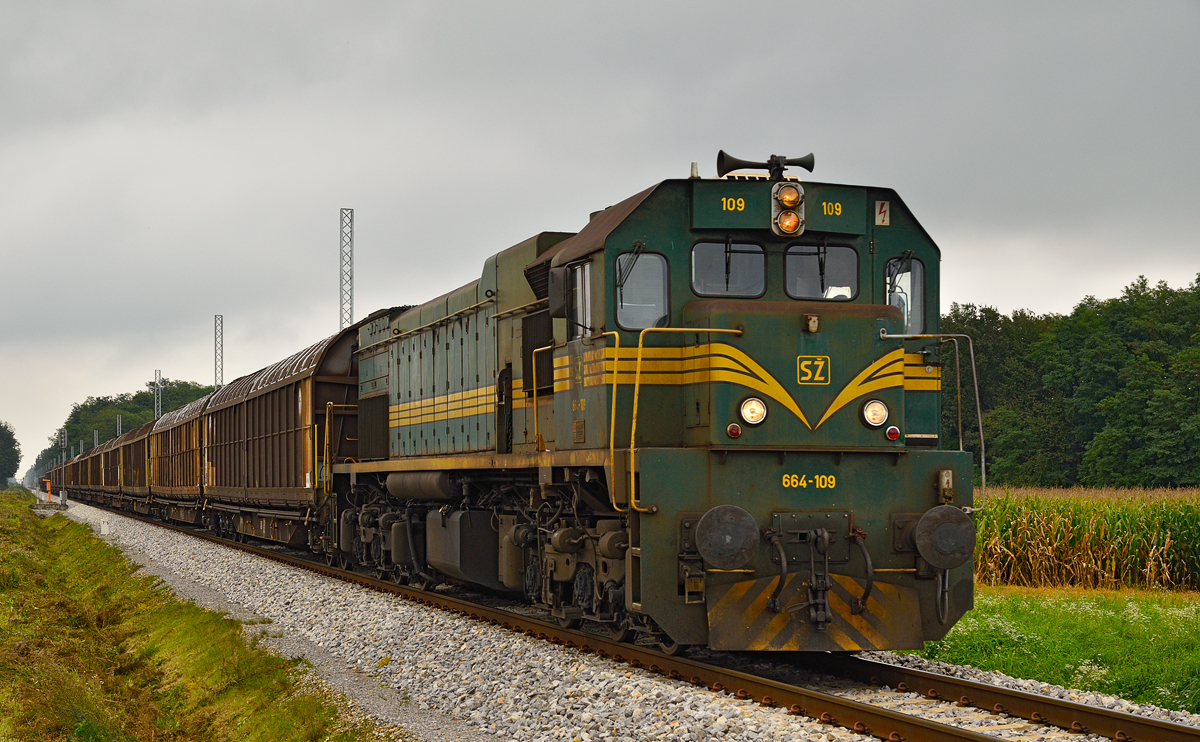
(955,337)
(612,425)
(538,443)
(329,408)
(637,379)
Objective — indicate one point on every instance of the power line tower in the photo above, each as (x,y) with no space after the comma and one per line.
(157,393)
(218,351)
(346,311)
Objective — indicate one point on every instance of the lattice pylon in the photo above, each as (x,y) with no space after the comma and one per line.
(157,393)
(218,351)
(346,274)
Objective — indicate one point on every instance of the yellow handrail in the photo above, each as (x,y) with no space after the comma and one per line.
(637,382)
(612,424)
(329,408)
(539,444)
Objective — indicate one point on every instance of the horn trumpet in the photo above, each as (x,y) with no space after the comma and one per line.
(776,164)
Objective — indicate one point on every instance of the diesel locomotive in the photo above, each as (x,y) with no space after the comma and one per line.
(712,417)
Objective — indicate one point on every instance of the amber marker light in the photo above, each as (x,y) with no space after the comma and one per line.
(754,411)
(789,196)
(734,430)
(788,221)
(875,413)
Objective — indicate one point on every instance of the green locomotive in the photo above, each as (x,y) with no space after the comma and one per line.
(712,416)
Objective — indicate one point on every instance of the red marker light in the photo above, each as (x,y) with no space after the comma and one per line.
(734,430)
(893,433)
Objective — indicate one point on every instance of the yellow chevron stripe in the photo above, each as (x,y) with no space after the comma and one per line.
(885,373)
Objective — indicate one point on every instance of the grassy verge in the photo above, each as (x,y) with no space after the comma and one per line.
(88,651)
(1140,645)
(1104,538)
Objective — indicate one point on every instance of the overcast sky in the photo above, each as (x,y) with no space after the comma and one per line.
(164,162)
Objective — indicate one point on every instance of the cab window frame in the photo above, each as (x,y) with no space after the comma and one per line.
(787,254)
(692,269)
(924,275)
(616,297)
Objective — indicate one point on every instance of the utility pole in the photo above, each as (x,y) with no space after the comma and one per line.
(346,311)
(218,351)
(157,393)
(118,425)
(95,437)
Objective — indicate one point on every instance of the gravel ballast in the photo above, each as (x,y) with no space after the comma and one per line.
(442,676)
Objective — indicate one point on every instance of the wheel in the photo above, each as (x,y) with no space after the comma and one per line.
(669,647)
(567,623)
(620,632)
(330,559)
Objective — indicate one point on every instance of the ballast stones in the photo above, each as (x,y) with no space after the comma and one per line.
(726,537)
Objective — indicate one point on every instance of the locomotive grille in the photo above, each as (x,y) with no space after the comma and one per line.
(373,427)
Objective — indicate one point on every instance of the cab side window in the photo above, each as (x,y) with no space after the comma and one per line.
(641,290)
(905,278)
(579,307)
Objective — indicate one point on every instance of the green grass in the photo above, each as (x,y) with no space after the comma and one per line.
(89,651)
(1140,645)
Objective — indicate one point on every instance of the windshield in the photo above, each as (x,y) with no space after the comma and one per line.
(822,272)
(641,284)
(728,269)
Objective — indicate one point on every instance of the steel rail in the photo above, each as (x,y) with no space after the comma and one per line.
(863,718)
(1037,708)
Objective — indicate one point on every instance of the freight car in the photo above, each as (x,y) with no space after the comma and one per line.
(711,417)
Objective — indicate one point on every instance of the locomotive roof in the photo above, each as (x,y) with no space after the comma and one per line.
(592,237)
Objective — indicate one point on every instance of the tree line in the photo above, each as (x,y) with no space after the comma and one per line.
(100,414)
(1108,395)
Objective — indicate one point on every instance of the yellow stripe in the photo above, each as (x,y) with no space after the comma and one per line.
(562,386)
(922,385)
(885,373)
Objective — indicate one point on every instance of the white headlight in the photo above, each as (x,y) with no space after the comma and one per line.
(754,411)
(875,413)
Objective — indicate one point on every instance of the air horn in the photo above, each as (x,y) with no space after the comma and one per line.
(776,164)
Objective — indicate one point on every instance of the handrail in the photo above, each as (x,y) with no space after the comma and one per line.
(329,408)
(885,335)
(637,380)
(612,424)
(539,444)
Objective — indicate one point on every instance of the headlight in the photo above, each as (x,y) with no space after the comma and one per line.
(789,196)
(754,411)
(875,413)
(788,222)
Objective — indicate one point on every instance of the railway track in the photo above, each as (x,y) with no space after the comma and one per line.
(896,703)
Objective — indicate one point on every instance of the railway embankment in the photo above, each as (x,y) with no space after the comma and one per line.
(91,649)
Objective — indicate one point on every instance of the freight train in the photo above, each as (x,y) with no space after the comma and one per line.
(712,417)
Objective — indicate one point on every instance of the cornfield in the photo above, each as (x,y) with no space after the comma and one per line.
(1105,538)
